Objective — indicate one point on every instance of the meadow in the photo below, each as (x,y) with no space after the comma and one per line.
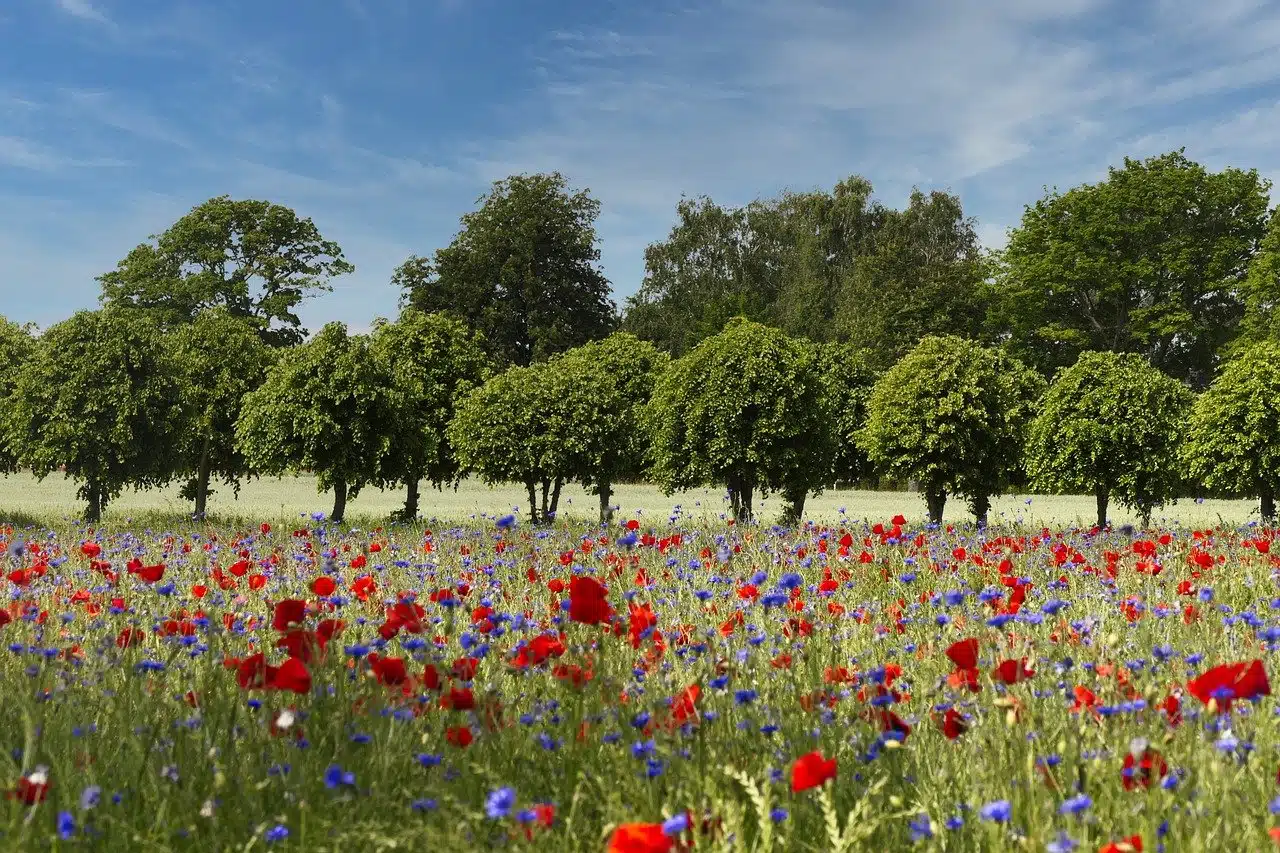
(673,681)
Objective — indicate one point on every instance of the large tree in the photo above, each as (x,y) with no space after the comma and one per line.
(16,348)
(745,408)
(847,381)
(1233,441)
(1151,261)
(952,415)
(328,407)
(524,271)
(598,392)
(435,361)
(1261,291)
(256,259)
(100,399)
(1110,426)
(219,358)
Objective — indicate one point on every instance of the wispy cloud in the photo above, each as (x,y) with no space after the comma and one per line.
(84,10)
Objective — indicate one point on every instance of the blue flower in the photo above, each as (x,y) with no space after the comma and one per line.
(675,825)
(744,697)
(66,825)
(1062,844)
(335,776)
(999,811)
(921,828)
(1075,805)
(498,804)
(279,832)
(778,815)
(507,521)
(90,797)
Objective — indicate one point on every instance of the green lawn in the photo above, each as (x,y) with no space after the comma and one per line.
(278,498)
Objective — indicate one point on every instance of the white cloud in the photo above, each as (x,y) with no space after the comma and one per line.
(84,10)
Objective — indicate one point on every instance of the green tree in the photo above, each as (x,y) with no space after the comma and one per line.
(523,271)
(17,346)
(328,407)
(256,259)
(1110,425)
(847,381)
(599,391)
(219,359)
(435,361)
(1150,261)
(501,432)
(1233,441)
(745,409)
(1261,291)
(952,415)
(100,399)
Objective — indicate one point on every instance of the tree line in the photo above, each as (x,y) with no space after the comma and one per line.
(1123,344)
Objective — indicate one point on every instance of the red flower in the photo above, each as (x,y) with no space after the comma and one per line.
(1230,681)
(323,586)
(587,602)
(459,736)
(458,699)
(31,789)
(150,574)
(300,644)
(292,675)
(1012,671)
(129,637)
(639,838)
(811,770)
(952,724)
(1132,844)
(389,671)
(964,653)
(288,613)
(1142,769)
(253,672)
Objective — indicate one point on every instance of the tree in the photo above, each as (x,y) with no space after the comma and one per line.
(219,359)
(100,399)
(1110,425)
(1149,261)
(328,407)
(256,259)
(435,361)
(599,392)
(523,271)
(501,432)
(847,381)
(922,274)
(952,415)
(1261,291)
(744,408)
(17,346)
(1233,441)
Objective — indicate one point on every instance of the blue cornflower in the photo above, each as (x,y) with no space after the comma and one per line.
(1075,805)
(1062,844)
(90,797)
(921,828)
(675,825)
(999,811)
(498,804)
(428,760)
(507,521)
(66,825)
(423,805)
(744,697)
(335,776)
(778,815)
(790,580)
(279,832)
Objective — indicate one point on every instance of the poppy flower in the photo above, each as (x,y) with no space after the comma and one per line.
(952,724)
(323,586)
(389,671)
(459,736)
(587,602)
(32,788)
(1142,767)
(639,838)
(1230,681)
(1012,671)
(288,613)
(1132,844)
(811,770)
(292,675)
(150,574)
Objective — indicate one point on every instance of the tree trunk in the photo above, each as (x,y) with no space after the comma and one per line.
(202,479)
(93,512)
(1267,503)
(981,506)
(410,511)
(606,504)
(555,500)
(339,501)
(935,501)
(795,497)
(1103,496)
(741,491)
(531,487)
(546,493)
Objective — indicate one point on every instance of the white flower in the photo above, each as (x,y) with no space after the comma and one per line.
(285,719)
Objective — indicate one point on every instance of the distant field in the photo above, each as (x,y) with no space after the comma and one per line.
(21,496)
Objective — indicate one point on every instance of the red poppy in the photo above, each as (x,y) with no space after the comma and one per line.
(300,644)
(459,736)
(1012,671)
(587,602)
(964,653)
(128,637)
(458,699)
(639,838)
(952,724)
(31,789)
(150,574)
(389,671)
(1230,681)
(253,672)
(1132,844)
(811,770)
(323,586)
(292,675)
(289,613)
(1143,770)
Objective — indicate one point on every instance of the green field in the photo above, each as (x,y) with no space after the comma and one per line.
(21,496)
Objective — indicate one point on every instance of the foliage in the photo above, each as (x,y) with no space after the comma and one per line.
(952,415)
(328,407)
(1260,290)
(1150,261)
(501,431)
(599,392)
(1233,441)
(16,347)
(847,381)
(435,361)
(256,259)
(219,358)
(523,271)
(1110,425)
(744,408)
(101,400)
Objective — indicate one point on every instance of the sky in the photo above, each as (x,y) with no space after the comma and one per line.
(385,120)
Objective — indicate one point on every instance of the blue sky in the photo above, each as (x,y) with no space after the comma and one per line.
(384,120)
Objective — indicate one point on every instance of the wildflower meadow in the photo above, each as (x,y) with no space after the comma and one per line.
(660,683)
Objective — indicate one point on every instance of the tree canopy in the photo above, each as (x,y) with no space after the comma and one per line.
(523,271)
(101,399)
(219,358)
(952,415)
(329,407)
(1151,261)
(16,348)
(1233,440)
(256,259)
(434,360)
(1110,425)
(1261,291)
(745,409)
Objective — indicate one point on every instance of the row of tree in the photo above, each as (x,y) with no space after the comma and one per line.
(115,400)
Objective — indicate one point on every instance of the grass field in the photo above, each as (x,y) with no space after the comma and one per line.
(22,497)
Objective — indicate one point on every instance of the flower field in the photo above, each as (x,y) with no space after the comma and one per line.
(655,685)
